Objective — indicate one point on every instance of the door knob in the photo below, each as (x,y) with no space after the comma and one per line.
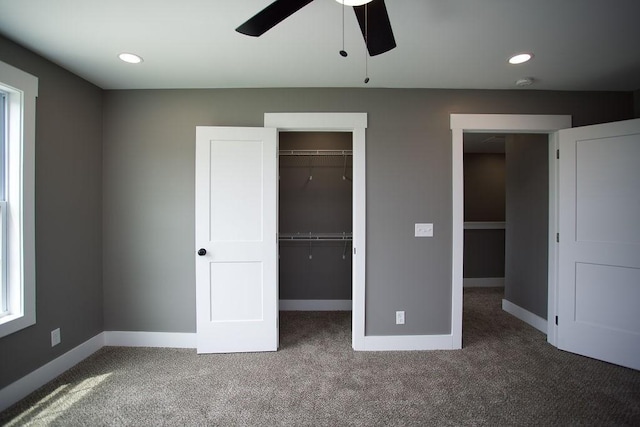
(202,251)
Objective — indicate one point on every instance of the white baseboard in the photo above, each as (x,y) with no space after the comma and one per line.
(526,316)
(483,282)
(316,305)
(36,379)
(150,339)
(404,343)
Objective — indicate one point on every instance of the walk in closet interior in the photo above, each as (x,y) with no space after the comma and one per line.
(315,217)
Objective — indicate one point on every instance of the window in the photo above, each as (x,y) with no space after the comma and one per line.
(18,91)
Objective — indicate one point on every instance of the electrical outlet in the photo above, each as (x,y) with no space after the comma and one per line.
(399,317)
(55,337)
(424,230)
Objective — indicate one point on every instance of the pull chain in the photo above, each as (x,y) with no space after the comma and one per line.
(343,52)
(366,44)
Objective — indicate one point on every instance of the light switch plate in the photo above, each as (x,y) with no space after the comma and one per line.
(424,230)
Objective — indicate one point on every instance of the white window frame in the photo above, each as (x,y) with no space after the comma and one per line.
(18,210)
(3,207)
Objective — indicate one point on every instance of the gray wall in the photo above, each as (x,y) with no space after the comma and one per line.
(484,254)
(484,200)
(322,205)
(149,191)
(68,216)
(484,186)
(527,222)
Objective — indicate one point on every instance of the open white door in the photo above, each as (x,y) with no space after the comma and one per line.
(599,248)
(236,239)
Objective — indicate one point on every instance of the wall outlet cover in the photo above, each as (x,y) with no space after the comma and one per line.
(399,317)
(55,337)
(424,230)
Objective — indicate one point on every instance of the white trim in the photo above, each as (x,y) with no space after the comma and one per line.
(22,89)
(359,238)
(357,124)
(316,305)
(525,315)
(511,123)
(36,379)
(552,273)
(457,233)
(485,225)
(150,339)
(407,343)
(505,123)
(308,122)
(483,282)
(4,291)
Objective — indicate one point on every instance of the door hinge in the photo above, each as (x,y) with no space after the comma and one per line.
(556,320)
(354,251)
(557,154)
(557,237)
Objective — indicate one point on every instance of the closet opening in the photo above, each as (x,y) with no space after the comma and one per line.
(315,229)
(506,222)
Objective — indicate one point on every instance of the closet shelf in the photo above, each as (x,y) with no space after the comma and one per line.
(313,237)
(315,152)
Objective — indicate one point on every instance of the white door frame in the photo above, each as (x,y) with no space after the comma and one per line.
(356,123)
(503,123)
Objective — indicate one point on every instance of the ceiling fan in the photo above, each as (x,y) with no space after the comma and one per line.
(372,17)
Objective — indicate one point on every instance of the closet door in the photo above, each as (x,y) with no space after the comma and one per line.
(236,246)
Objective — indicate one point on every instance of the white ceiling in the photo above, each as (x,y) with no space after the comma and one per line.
(460,44)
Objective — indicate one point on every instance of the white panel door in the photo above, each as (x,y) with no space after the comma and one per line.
(599,249)
(236,239)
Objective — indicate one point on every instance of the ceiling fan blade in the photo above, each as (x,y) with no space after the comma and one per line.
(271,16)
(378,32)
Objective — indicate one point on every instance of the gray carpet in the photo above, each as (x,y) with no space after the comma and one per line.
(506,375)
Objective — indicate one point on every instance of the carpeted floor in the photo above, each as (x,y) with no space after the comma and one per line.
(506,375)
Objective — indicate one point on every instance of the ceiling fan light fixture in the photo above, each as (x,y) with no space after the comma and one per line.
(520,58)
(130,58)
(354,2)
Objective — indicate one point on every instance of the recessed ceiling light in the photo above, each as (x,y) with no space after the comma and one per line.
(520,58)
(130,58)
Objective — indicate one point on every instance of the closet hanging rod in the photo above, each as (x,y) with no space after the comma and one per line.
(313,237)
(315,152)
